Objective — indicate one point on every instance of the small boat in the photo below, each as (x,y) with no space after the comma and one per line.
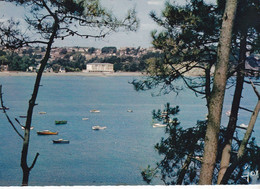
(60,141)
(228,113)
(98,127)
(84,118)
(60,122)
(46,132)
(4,108)
(42,112)
(30,128)
(159,125)
(94,111)
(243,125)
(164,114)
(23,116)
(129,110)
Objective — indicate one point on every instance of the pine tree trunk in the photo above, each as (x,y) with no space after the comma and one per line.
(225,159)
(217,95)
(242,148)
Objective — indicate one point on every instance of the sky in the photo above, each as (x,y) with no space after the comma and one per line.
(141,38)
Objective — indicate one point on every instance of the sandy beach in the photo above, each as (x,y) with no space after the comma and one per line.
(193,72)
(87,74)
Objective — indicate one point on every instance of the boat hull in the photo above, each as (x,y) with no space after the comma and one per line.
(42,112)
(95,111)
(46,133)
(60,141)
(60,122)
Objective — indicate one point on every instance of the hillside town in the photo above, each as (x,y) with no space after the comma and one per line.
(70,59)
(90,59)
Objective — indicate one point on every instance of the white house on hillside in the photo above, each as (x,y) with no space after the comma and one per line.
(100,67)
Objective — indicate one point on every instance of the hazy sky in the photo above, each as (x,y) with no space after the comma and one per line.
(140,38)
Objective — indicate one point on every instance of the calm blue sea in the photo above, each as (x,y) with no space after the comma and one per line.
(114,156)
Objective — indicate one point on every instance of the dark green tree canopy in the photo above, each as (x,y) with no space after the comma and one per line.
(107,50)
(188,42)
(181,150)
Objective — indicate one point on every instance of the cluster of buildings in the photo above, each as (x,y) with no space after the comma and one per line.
(252,63)
(87,52)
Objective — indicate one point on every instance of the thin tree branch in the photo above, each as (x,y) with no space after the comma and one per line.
(255,90)
(34,161)
(4,110)
(19,122)
(246,109)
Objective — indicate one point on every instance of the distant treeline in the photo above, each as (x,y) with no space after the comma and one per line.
(16,62)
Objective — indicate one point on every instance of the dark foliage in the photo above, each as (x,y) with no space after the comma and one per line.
(107,50)
(182,151)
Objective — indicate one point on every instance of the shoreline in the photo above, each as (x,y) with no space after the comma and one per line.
(87,74)
(195,72)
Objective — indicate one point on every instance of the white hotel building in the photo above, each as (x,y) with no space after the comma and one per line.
(99,67)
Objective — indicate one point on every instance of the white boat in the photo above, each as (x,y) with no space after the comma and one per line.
(84,118)
(4,108)
(159,125)
(228,113)
(42,112)
(94,111)
(164,114)
(96,127)
(243,125)
(129,110)
(172,121)
(30,128)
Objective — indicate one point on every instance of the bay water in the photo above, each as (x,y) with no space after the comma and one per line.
(114,156)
